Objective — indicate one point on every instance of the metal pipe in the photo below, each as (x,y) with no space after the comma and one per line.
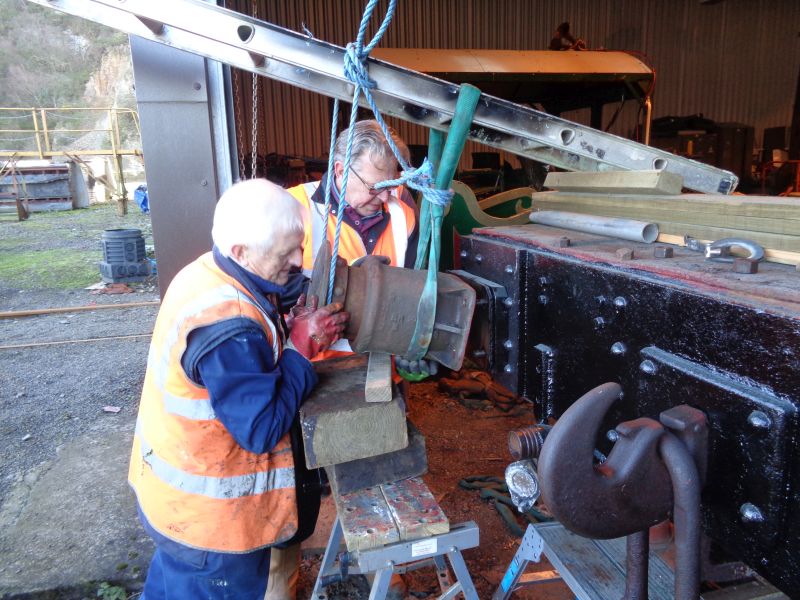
(626,229)
(636,565)
(686,515)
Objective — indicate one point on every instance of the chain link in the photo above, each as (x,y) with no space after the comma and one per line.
(254,133)
(237,111)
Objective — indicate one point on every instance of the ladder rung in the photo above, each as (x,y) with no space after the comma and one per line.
(224,35)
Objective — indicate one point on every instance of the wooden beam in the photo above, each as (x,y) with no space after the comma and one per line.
(616,182)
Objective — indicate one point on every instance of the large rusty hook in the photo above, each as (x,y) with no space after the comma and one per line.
(629,492)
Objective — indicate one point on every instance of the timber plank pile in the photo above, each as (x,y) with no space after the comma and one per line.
(771,221)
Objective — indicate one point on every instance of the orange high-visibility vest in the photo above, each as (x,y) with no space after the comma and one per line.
(393,241)
(193,481)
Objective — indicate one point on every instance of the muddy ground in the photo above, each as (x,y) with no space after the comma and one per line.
(68,373)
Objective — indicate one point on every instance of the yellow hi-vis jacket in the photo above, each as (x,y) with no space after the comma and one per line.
(393,241)
(194,483)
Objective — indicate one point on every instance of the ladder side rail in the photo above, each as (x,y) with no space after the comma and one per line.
(278,53)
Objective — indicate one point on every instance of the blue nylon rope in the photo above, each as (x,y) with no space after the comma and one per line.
(420,179)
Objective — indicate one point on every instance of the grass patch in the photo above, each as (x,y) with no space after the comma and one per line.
(41,269)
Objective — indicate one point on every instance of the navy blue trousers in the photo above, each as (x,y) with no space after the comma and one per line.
(207,575)
(178,572)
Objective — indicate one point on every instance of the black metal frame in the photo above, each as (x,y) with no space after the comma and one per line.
(554,326)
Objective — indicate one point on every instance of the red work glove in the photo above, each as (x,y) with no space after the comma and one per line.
(314,330)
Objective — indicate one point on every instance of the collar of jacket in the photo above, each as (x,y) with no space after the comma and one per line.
(259,287)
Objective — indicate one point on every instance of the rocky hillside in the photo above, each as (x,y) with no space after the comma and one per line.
(49,59)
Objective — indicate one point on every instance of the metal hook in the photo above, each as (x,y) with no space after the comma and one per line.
(720,250)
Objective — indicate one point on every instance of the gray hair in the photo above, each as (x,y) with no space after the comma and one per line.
(369,141)
(255,214)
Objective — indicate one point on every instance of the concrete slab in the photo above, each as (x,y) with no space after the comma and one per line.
(71,524)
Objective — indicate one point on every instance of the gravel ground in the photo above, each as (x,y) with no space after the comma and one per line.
(52,392)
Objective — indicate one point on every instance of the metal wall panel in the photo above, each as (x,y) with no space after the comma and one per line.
(736,60)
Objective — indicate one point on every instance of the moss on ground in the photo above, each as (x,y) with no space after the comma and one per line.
(60,269)
(60,249)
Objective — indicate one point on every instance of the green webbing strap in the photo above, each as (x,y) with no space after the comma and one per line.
(431,218)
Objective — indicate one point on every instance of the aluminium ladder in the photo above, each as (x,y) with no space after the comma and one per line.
(300,60)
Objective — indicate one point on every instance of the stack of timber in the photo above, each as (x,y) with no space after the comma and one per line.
(773,222)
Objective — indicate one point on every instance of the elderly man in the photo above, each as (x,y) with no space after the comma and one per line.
(376,221)
(213,462)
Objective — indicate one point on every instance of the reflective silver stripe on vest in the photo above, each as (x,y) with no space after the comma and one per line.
(159,364)
(237,486)
(197,410)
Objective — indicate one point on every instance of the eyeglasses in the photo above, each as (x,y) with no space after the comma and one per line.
(371,189)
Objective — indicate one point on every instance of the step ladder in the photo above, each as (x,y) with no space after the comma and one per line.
(595,569)
(395,528)
(300,60)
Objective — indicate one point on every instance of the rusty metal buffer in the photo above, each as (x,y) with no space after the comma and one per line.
(382,302)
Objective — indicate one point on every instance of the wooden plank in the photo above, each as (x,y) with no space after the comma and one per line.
(339,426)
(366,519)
(385,468)
(414,509)
(616,182)
(751,206)
(378,387)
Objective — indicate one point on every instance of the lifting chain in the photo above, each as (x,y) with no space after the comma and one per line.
(254,133)
(236,76)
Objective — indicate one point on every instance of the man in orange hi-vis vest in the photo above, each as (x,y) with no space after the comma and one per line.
(376,221)
(215,463)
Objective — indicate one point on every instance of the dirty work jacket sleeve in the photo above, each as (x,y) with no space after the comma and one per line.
(252,397)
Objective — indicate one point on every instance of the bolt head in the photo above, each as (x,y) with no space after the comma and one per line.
(618,348)
(509,269)
(543,300)
(750,513)
(624,253)
(612,435)
(544,281)
(663,252)
(746,266)
(508,344)
(508,369)
(599,322)
(463,254)
(648,367)
(759,420)
(478,258)
(508,302)
(620,302)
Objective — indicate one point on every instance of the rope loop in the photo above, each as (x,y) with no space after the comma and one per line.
(421,179)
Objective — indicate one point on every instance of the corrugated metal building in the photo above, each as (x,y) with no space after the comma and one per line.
(731,60)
